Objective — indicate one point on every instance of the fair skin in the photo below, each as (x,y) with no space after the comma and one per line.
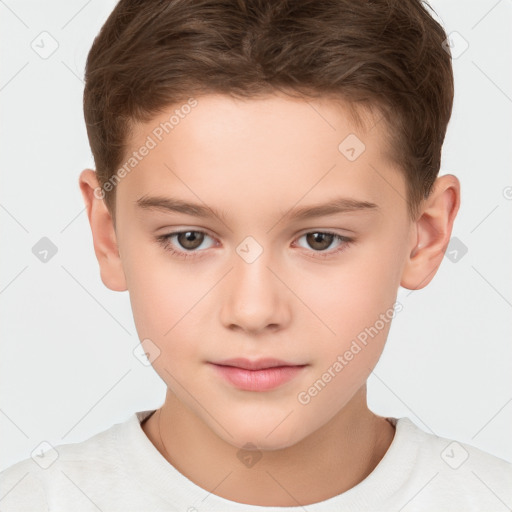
(256,160)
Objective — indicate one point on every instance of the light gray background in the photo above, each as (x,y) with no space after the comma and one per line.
(67,368)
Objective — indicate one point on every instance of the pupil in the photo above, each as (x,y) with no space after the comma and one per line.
(320,238)
(190,239)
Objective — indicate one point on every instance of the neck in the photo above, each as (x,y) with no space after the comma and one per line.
(349,446)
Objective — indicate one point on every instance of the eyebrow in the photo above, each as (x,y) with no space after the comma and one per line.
(332,207)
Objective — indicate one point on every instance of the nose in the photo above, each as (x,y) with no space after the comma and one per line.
(254,298)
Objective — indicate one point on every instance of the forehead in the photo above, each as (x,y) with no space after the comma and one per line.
(255,152)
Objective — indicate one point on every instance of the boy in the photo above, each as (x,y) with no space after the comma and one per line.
(266,179)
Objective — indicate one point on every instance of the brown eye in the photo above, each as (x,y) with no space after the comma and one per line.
(190,240)
(320,241)
(185,244)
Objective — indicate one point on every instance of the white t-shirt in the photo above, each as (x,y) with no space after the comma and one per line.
(119,469)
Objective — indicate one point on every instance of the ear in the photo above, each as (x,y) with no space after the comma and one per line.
(431,233)
(103,233)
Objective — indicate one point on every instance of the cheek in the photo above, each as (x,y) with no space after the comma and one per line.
(357,292)
(163,299)
(357,304)
(163,311)
(354,300)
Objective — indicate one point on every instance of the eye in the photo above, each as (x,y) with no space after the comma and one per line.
(187,240)
(322,240)
(189,243)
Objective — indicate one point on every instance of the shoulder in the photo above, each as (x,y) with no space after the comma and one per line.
(58,472)
(21,488)
(456,471)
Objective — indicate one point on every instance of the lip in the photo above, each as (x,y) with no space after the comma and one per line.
(256,364)
(266,374)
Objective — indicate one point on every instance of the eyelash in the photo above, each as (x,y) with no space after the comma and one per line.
(164,240)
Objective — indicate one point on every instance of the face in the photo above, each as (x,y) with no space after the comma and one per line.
(253,278)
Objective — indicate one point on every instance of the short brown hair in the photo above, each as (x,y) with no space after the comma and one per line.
(386,55)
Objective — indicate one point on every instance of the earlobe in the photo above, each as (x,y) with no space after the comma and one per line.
(103,233)
(432,232)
